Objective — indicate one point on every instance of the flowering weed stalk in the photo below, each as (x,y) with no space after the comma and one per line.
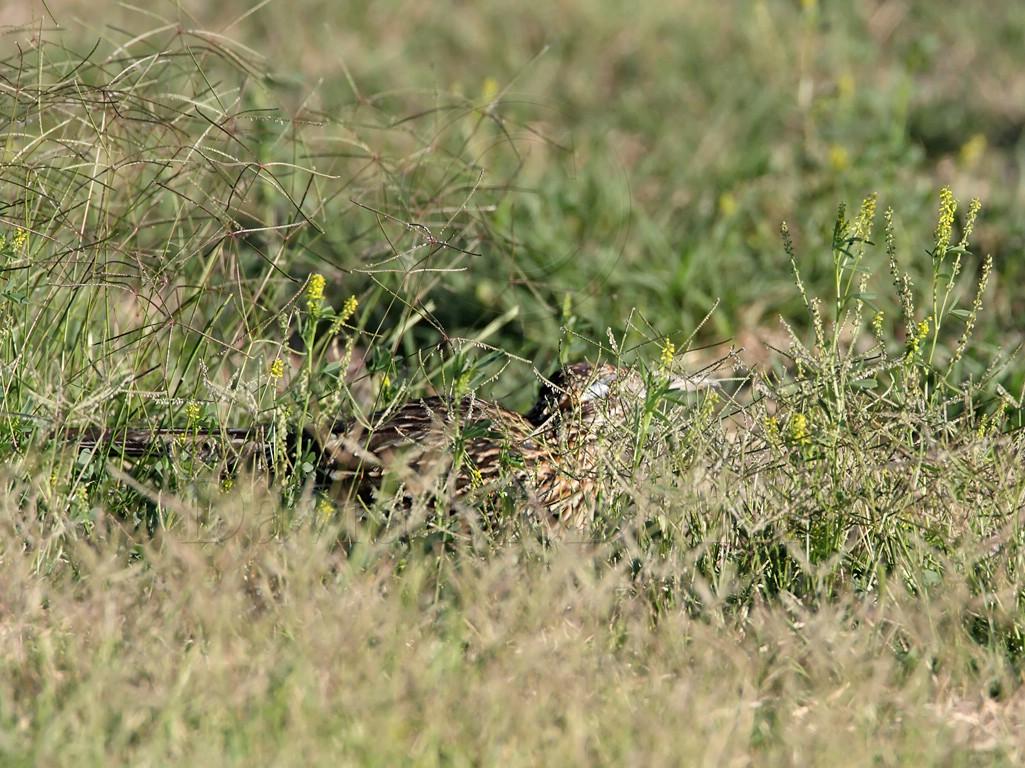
(854,395)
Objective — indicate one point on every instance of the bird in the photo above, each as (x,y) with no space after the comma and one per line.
(471,444)
(584,410)
(552,457)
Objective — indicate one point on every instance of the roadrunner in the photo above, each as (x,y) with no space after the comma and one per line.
(552,455)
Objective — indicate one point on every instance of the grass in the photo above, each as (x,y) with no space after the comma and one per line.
(228,218)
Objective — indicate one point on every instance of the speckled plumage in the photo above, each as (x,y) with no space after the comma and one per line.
(551,456)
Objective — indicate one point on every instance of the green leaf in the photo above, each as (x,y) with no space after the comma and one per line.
(380,360)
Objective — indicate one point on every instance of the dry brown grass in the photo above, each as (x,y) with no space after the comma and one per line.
(237,646)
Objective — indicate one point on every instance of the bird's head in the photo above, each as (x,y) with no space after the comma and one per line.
(592,394)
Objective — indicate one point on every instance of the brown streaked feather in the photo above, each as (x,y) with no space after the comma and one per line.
(473,440)
(552,455)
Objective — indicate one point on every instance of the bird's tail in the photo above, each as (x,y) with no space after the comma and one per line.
(138,443)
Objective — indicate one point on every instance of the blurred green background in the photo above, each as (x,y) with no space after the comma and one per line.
(605,164)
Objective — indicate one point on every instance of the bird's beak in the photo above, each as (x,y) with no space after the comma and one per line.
(693,383)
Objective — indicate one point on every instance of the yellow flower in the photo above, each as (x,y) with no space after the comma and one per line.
(845,86)
(349,308)
(324,510)
(839,159)
(727,204)
(277,368)
(20,238)
(866,217)
(799,429)
(708,407)
(915,342)
(945,222)
(193,412)
(877,323)
(489,90)
(315,292)
(476,478)
(665,360)
(80,500)
(972,150)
